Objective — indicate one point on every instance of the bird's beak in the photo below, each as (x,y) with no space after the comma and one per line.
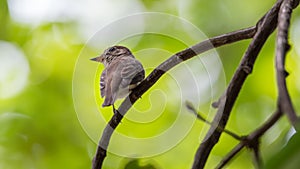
(95,59)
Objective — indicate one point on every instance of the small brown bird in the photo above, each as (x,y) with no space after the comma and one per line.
(122,73)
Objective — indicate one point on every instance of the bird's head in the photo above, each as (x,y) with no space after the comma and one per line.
(111,53)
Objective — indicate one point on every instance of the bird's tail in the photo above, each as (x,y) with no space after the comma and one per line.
(109,100)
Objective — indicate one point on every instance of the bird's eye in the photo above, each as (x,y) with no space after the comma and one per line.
(112,49)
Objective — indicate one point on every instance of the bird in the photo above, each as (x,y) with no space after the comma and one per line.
(122,73)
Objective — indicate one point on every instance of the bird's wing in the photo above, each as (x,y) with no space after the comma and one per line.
(102,83)
(120,75)
(132,73)
(112,83)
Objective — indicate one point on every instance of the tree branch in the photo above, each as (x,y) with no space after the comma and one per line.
(265,27)
(201,118)
(254,145)
(284,100)
(252,139)
(261,32)
(153,78)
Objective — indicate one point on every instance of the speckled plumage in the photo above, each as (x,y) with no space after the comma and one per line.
(122,73)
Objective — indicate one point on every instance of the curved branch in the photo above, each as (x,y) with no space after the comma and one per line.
(190,107)
(265,27)
(153,78)
(251,138)
(284,100)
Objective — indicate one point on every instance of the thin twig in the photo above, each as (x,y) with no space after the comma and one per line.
(252,139)
(265,27)
(257,156)
(230,155)
(153,78)
(201,118)
(254,145)
(284,100)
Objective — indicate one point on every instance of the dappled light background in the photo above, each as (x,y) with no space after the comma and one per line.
(50,114)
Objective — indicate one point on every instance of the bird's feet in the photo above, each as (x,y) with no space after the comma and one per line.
(115,110)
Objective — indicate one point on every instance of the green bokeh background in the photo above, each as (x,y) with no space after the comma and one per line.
(39,128)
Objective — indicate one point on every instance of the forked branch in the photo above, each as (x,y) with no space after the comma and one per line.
(252,138)
(153,78)
(264,27)
(280,12)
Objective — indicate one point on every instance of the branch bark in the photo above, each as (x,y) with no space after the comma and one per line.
(251,139)
(201,118)
(265,27)
(284,100)
(153,78)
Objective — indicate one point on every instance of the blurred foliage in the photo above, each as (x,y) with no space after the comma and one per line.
(140,164)
(288,157)
(39,128)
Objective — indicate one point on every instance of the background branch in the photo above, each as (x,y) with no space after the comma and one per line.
(284,100)
(265,27)
(155,75)
(256,153)
(252,139)
(201,118)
